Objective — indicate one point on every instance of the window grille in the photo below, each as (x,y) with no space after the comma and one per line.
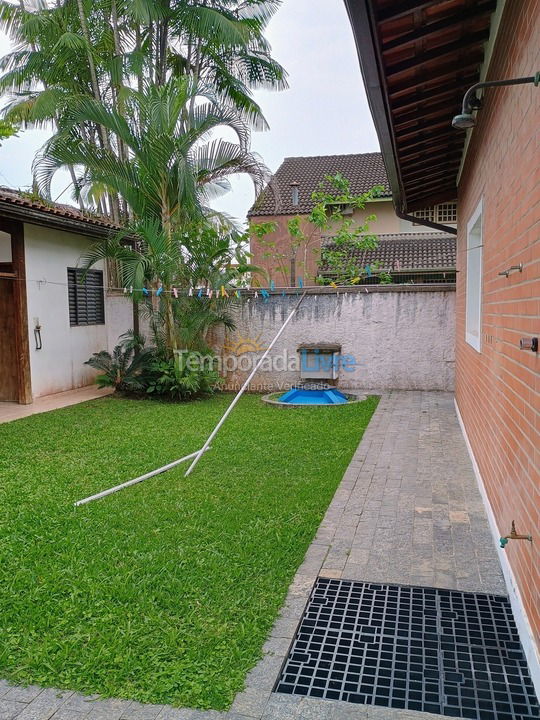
(85,297)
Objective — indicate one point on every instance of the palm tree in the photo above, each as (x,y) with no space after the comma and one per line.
(202,256)
(172,168)
(100,48)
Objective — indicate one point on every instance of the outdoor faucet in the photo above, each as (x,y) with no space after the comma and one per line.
(513,536)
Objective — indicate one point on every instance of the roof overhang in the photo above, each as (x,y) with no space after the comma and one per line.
(417,58)
(44,218)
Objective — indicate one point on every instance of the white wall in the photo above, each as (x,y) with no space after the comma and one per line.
(60,364)
(387,221)
(400,339)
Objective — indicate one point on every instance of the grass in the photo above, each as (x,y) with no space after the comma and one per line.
(164,592)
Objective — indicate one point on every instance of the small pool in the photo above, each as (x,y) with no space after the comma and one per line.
(302,396)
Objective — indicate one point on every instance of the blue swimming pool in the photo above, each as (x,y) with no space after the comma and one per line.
(301,396)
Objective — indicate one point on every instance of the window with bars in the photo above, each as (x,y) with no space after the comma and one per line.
(443,213)
(86,297)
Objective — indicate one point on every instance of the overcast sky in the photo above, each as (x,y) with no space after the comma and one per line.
(323,112)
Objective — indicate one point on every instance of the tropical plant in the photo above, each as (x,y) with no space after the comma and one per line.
(166,179)
(171,169)
(100,49)
(208,257)
(127,368)
(185,376)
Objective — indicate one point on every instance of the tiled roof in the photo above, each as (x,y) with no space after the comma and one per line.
(14,197)
(406,252)
(363,171)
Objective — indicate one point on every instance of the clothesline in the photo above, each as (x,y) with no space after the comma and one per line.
(199,292)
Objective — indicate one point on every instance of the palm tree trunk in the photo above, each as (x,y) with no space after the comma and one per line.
(138,48)
(119,103)
(76,186)
(115,207)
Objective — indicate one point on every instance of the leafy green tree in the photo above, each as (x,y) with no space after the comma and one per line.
(335,215)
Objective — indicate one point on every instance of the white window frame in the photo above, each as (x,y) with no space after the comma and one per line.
(473,300)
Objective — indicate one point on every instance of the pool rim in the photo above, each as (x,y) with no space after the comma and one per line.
(352,396)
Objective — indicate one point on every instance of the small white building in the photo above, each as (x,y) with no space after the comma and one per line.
(50,323)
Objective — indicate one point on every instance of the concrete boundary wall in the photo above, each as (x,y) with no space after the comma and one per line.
(398,338)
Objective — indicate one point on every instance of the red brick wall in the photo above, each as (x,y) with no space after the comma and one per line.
(279,270)
(498,389)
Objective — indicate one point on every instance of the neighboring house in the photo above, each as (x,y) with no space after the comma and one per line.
(289,195)
(417,258)
(50,323)
(418,59)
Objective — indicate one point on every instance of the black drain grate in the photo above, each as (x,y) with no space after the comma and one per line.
(439,651)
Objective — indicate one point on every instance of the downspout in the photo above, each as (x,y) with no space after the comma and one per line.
(427,223)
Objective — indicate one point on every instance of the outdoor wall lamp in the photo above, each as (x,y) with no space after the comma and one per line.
(472,102)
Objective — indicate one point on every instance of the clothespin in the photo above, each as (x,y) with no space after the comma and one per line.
(190,292)
(265,295)
(355,280)
(131,289)
(300,282)
(237,293)
(199,294)
(175,292)
(224,293)
(283,293)
(145,291)
(368,270)
(256,294)
(125,290)
(334,285)
(159,290)
(210,293)
(272,285)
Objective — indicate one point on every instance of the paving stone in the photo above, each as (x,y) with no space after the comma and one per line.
(251,702)
(111,709)
(9,709)
(141,711)
(5,686)
(81,703)
(67,713)
(282,707)
(23,694)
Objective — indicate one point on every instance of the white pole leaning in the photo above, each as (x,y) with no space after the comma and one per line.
(136,480)
(214,432)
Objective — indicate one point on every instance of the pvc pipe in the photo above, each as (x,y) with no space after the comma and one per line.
(242,389)
(136,480)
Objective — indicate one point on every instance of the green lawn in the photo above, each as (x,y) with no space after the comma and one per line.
(164,592)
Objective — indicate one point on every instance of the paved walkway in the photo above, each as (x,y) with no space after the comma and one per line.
(13,411)
(407,511)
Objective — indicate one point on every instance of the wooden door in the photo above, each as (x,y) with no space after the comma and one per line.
(15,383)
(9,376)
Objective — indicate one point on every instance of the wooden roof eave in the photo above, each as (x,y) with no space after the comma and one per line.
(393,103)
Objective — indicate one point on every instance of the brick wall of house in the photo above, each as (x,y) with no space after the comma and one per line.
(498,389)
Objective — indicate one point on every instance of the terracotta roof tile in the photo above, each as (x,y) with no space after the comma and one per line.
(406,251)
(9,195)
(362,170)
